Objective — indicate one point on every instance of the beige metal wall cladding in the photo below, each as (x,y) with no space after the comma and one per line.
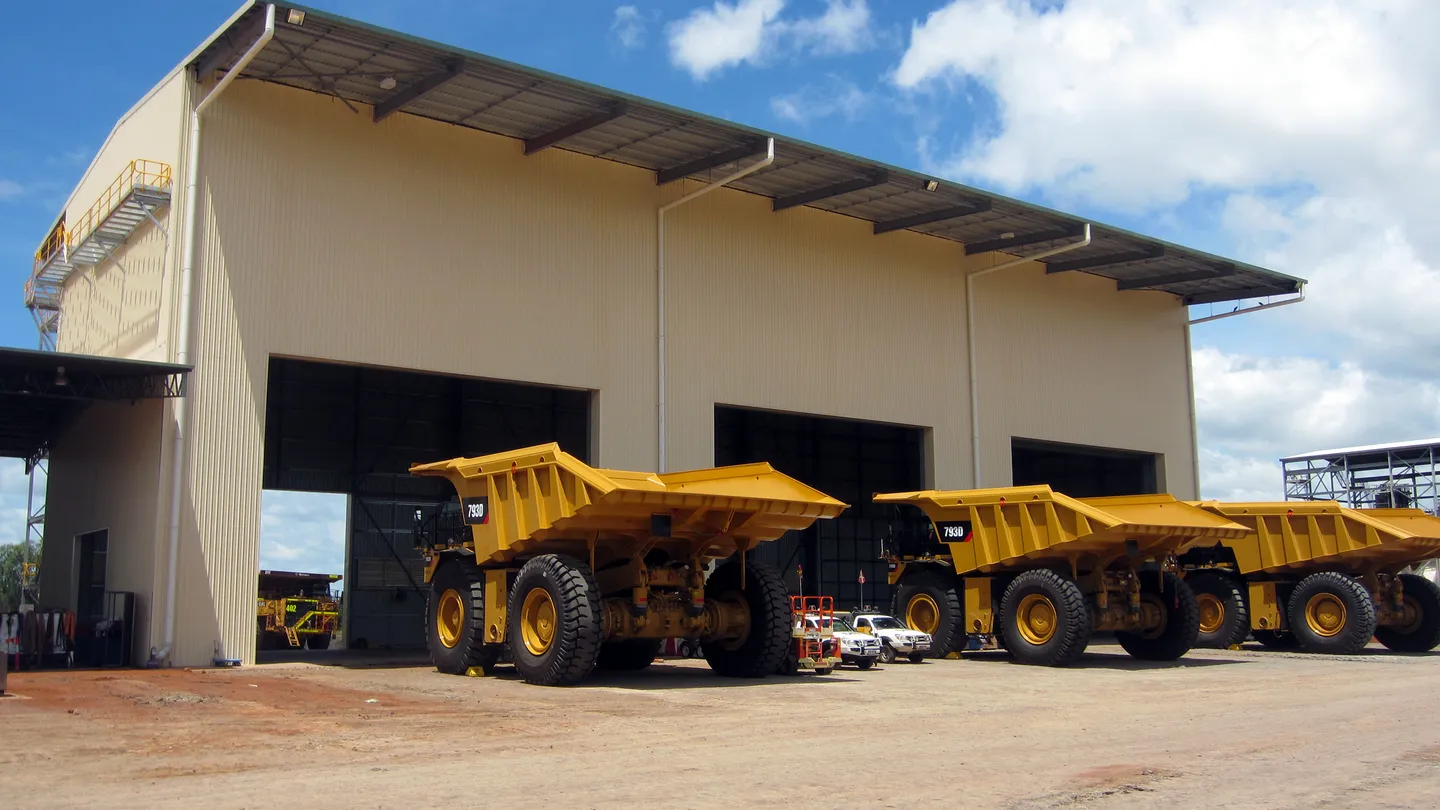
(105,474)
(414,244)
(114,308)
(122,307)
(1066,358)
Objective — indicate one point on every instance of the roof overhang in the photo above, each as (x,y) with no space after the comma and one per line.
(42,393)
(390,72)
(1371,453)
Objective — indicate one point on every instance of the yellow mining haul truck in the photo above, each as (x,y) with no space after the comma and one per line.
(1044,571)
(1319,576)
(566,568)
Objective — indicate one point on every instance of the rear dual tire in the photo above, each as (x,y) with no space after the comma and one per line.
(1179,620)
(761,650)
(1423,633)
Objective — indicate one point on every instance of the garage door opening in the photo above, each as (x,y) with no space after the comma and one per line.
(1084,472)
(353,432)
(302,568)
(845,459)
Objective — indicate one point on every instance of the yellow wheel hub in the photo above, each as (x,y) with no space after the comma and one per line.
(1036,619)
(1325,614)
(923,614)
(1212,612)
(450,618)
(537,621)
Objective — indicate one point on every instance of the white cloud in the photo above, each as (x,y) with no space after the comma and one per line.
(628,28)
(837,97)
(845,27)
(723,35)
(727,34)
(10,189)
(302,531)
(1253,411)
(1311,122)
(1136,103)
(13,489)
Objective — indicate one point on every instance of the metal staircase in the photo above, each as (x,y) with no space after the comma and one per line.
(141,189)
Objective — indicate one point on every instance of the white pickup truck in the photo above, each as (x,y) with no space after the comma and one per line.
(895,638)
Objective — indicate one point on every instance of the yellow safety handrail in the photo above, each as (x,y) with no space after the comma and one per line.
(140,173)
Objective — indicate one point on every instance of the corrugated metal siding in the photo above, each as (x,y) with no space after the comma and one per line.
(810,312)
(105,474)
(113,309)
(413,244)
(1065,358)
(152,132)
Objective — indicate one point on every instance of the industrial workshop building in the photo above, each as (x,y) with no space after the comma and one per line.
(357,250)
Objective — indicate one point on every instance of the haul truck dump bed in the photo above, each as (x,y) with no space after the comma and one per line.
(1319,576)
(1047,570)
(566,567)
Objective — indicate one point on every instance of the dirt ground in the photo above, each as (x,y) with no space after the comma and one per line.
(1247,728)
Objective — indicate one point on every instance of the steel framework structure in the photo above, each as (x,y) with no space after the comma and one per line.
(1404,474)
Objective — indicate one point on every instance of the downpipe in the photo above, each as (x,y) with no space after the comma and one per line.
(187,306)
(970,338)
(660,375)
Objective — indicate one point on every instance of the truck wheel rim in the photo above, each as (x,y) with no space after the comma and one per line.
(449,618)
(1325,614)
(537,621)
(1212,612)
(923,614)
(1036,619)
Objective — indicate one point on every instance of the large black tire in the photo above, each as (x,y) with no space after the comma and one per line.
(887,653)
(1275,639)
(629,655)
(1179,622)
(865,663)
(1422,635)
(318,641)
(554,639)
(1044,619)
(761,650)
(1224,609)
(931,597)
(464,645)
(1331,613)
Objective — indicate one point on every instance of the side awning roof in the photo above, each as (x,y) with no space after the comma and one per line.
(42,393)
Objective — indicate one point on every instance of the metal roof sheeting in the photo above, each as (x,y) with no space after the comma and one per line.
(348,60)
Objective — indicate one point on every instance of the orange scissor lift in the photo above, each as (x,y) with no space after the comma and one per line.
(810,643)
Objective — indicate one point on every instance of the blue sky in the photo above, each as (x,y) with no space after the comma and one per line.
(1296,134)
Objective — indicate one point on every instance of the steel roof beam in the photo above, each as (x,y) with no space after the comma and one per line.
(570,130)
(834,190)
(1104,261)
(1177,278)
(1237,295)
(393,104)
(232,44)
(932,216)
(750,149)
(1024,240)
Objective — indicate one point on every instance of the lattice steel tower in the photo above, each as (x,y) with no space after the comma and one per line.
(1403,474)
